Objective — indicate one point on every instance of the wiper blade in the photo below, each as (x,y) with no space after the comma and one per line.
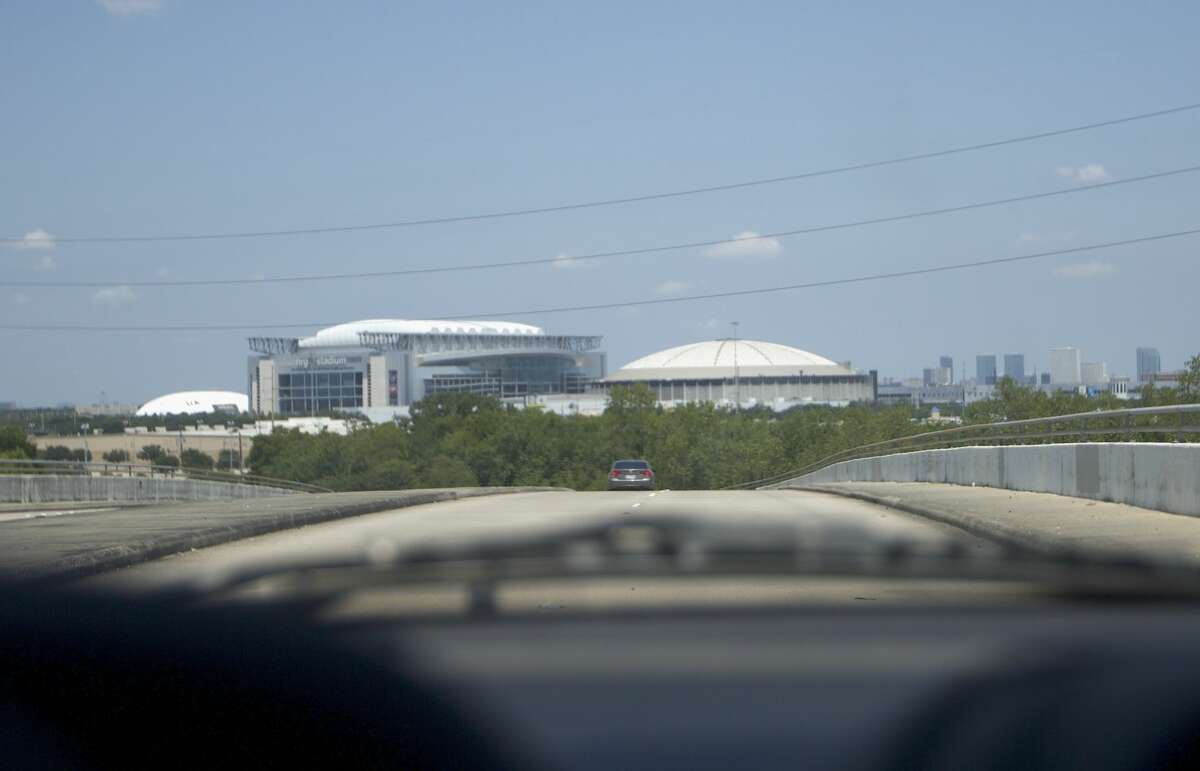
(681,547)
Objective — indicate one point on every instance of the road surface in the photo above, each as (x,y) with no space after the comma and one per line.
(819,520)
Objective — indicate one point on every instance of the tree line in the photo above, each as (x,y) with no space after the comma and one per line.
(454,440)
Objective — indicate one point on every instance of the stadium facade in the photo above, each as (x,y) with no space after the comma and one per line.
(377,365)
(745,372)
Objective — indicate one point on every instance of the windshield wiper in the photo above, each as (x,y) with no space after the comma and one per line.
(680,547)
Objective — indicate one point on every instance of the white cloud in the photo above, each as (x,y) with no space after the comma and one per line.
(38,241)
(745,245)
(35,241)
(1091,172)
(673,287)
(567,262)
(1085,270)
(114,295)
(21,299)
(130,7)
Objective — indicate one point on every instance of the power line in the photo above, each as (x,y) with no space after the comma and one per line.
(602,255)
(627,303)
(625,200)
(851,280)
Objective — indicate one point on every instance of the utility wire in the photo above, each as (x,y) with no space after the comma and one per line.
(602,255)
(625,200)
(627,303)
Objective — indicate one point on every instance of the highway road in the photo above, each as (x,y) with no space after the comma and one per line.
(819,520)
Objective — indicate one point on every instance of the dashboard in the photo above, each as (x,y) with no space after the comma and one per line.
(93,681)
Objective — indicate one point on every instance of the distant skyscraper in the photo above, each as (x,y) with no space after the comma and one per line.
(947,362)
(1094,373)
(1064,366)
(985,369)
(1045,378)
(937,376)
(1014,366)
(1148,363)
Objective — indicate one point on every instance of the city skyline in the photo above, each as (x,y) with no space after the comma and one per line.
(1001,362)
(928,376)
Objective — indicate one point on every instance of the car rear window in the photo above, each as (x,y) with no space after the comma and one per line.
(623,464)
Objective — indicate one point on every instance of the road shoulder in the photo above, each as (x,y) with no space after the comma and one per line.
(1042,522)
(73,547)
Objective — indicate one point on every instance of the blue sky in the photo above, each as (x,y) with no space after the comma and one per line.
(135,117)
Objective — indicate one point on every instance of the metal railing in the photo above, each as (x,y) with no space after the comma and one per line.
(1136,424)
(145,470)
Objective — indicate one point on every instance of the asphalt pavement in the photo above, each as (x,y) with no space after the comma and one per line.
(69,540)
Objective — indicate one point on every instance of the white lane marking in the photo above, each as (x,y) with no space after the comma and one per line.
(636,505)
(653,494)
(20,515)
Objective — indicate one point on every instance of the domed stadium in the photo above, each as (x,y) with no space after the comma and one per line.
(377,367)
(195,403)
(745,371)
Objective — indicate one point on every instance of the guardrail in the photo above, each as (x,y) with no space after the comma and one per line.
(1127,425)
(90,468)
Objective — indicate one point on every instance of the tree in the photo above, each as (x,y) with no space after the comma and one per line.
(195,459)
(630,413)
(57,452)
(448,472)
(1189,379)
(452,404)
(152,453)
(626,400)
(14,445)
(116,456)
(229,459)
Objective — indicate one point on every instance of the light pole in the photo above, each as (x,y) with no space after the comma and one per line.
(737,381)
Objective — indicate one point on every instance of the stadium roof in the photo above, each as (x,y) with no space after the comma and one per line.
(195,402)
(346,335)
(716,359)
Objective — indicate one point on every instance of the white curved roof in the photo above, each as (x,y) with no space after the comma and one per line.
(346,335)
(716,358)
(191,402)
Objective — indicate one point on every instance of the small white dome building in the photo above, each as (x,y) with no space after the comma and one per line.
(195,402)
(748,371)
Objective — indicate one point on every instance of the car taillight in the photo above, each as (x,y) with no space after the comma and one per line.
(614,473)
(647,472)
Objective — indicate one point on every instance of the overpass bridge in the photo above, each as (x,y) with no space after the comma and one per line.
(1117,456)
(50,481)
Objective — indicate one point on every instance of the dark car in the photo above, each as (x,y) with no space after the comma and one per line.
(631,475)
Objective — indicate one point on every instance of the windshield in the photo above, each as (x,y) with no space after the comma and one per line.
(794,267)
(647,385)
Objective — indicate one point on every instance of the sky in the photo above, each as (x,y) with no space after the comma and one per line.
(168,117)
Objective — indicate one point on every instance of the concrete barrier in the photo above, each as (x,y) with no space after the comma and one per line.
(1158,476)
(45,488)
